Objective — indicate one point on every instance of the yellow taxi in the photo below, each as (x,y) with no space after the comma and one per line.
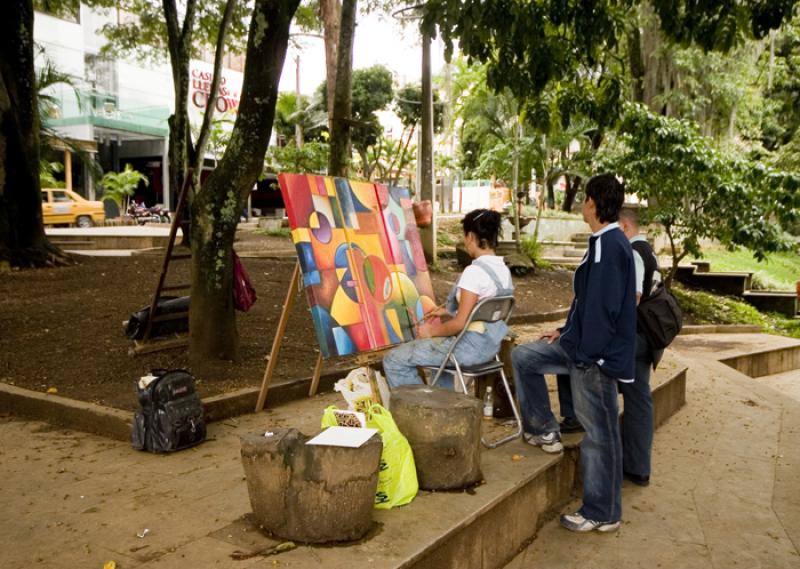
(65,206)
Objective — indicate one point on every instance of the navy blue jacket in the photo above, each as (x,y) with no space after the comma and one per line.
(601,325)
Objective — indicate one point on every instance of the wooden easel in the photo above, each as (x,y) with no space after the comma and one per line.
(295,287)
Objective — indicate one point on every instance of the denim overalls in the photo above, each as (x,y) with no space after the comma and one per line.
(400,364)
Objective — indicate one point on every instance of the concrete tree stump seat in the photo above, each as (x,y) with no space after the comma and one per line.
(311,493)
(444,430)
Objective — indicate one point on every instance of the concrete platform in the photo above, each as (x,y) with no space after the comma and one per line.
(122,237)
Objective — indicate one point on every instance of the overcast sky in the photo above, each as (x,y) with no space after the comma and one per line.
(379,40)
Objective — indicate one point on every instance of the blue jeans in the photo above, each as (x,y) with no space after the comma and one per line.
(595,405)
(637,420)
(400,364)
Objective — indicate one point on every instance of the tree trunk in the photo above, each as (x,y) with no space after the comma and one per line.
(216,209)
(338,159)
(569,192)
(331,16)
(179,153)
(636,63)
(22,239)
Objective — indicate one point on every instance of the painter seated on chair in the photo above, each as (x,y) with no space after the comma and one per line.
(486,277)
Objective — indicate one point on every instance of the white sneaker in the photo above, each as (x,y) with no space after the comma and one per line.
(550,443)
(576,522)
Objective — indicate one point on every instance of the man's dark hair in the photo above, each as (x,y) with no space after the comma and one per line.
(485,224)
(608,195)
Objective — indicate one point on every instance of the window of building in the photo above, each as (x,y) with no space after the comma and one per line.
(69,10)
(101,73)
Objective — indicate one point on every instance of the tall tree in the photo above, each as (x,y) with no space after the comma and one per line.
(372,92)
(217,208)
(702,192)
(22,238)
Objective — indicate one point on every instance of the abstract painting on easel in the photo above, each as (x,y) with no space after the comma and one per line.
(362,262)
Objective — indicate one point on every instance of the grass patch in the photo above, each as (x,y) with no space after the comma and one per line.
(701,307)
(282,232)
(780,271)
(444,239)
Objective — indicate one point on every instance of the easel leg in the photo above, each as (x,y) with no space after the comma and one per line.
(276,343)
(315,378)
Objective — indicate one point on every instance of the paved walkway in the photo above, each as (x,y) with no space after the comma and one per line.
(725,488)
(725,491)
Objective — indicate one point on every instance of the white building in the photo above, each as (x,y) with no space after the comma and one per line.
(121,107)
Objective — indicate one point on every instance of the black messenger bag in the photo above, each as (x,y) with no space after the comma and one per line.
(170,416)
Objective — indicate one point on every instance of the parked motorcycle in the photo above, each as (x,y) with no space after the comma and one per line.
(142,214)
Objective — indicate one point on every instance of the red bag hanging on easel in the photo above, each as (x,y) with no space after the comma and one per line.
(244,295)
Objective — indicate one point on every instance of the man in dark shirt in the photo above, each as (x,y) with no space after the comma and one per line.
(596,348)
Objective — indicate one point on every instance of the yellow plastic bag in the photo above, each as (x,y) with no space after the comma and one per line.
(397,475)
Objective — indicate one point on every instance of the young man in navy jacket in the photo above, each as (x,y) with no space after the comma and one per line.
(596,347)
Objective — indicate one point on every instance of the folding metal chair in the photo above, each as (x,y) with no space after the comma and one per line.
(494,309)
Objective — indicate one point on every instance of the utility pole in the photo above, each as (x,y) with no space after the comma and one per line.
(298,104)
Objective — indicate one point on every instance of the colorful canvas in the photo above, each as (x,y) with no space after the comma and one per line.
(362,262)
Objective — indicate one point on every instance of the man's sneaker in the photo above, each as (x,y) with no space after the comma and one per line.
(576,522)
(551,442)
(570,425)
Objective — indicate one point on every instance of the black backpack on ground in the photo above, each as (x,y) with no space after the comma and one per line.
(170,416)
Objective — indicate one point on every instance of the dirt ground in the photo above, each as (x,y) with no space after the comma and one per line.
(63,328)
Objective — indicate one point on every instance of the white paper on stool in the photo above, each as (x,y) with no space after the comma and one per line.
(352,437)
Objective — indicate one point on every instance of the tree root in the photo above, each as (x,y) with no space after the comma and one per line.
(46,256)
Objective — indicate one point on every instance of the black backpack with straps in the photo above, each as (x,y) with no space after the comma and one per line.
(170,416)
(658,315)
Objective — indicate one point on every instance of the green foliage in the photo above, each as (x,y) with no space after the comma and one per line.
(781,120)
(701,307)
(535,251)
(697,190)
(444,239)
(529,44)
(721,24)
(388,160)
(311,116)
(47,172)
(311,157)
(408,107)
(141,31)
(704,308)
(282,232)
(118,187)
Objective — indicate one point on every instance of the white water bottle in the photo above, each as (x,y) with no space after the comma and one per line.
(488,403)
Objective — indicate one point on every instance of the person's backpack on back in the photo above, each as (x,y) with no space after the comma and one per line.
(170,416)
(659,317)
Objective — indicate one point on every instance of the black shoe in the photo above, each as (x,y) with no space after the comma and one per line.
(637,479)
(569,425)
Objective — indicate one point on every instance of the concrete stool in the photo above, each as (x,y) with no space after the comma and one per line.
(311,493)
(444,430)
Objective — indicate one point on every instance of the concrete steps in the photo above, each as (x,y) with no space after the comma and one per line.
(699,275)
(783,302)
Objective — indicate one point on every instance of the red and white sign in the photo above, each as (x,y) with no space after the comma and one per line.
(228,93)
